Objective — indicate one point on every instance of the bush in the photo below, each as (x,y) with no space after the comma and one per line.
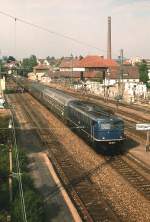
(34,208)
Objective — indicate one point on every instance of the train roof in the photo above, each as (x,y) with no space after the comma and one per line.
(37,86)
(93,111)
(61,97)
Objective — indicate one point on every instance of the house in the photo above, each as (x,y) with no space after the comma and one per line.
(43,62)
(40,70)
(70,64)
(90,67)
(97,63)
(32,76)
(123,74)
(99,68)
(46,79)
(2,86)
(135,60)
(10,66)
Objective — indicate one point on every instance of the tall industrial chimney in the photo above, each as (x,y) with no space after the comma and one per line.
(109,39)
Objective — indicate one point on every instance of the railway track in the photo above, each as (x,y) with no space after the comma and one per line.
(134,177)
(85,195)
(89,206)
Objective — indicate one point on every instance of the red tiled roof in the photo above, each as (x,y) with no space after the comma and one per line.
(41,67)
(69,63)
(97,61)
(89,62)
(129,72)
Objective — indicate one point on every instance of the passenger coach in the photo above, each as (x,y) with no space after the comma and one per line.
(97,123)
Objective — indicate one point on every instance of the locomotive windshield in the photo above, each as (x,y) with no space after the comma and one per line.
(111,125)
(105,126)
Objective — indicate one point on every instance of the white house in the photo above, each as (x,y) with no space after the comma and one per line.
(43,62)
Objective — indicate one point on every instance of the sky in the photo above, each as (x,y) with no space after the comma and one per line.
(82,20)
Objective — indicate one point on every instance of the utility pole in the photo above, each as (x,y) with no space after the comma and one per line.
(121,72)
(104,80)
(108,79)
(120,80)
(10,171)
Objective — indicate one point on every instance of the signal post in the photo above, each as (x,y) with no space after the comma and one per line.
(145,127)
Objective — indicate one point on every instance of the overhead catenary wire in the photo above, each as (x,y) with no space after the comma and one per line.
(53,32)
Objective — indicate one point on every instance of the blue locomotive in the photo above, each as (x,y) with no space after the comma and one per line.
(98,124)
(95,122)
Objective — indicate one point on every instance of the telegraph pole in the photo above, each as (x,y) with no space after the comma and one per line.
(104,79)
(121,72)
(120,80)
(108,78)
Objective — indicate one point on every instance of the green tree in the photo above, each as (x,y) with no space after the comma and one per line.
(81,57)
(11,59)
(27,65)
(5,58)
(143,70)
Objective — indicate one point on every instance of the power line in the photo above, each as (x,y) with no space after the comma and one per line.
(18,170)
(52,31)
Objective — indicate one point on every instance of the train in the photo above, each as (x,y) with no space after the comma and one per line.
(95,122)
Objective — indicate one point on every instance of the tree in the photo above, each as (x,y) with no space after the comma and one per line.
(5,58)
(143,70)
(28,64)
(51,60)
(80,57)
(11,59)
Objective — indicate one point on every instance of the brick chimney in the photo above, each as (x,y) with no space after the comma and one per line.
(109,39)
